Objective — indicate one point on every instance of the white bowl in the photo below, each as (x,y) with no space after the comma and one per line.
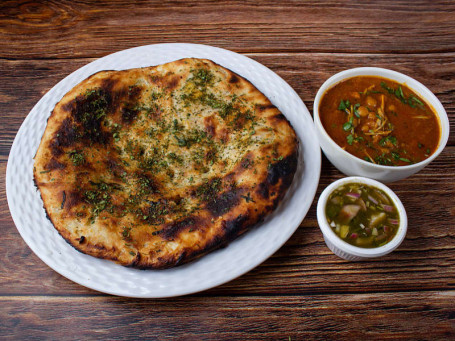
(352,165)
(351,252)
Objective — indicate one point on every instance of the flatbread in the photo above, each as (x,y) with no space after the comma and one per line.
(154,167)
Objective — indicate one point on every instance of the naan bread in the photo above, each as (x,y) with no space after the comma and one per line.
(155,167)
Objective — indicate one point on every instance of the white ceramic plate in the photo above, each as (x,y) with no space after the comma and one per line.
(214,269)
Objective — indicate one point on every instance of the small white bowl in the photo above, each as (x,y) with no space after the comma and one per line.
(352,165)
(348,251)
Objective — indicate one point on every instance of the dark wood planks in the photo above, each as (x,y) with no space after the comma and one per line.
(425,260)
(303,291)
(75,29)
(24,82)
(416,316)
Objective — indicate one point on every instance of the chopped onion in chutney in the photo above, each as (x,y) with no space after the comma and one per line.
(362,215)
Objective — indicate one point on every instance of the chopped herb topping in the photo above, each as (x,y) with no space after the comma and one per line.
(388,139)
(344,105)
(76,157)
(202,77)
(208,189)
(126,233)
(411,100)
(99,196)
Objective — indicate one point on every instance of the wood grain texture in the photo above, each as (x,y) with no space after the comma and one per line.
(303,291)
(69,29)
(26,81)
(412,316)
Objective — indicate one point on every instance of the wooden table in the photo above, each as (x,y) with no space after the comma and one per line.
(303,291)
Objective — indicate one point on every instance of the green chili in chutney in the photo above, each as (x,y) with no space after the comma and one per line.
(380,121)
(362,215)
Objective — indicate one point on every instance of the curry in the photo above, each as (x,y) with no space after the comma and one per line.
(380,121)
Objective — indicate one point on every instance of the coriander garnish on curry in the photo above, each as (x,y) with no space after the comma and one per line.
(380,121)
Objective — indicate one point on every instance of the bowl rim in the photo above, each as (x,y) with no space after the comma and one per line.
(401,78)
(355,250)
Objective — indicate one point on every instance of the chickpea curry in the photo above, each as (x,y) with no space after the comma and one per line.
(380,121)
